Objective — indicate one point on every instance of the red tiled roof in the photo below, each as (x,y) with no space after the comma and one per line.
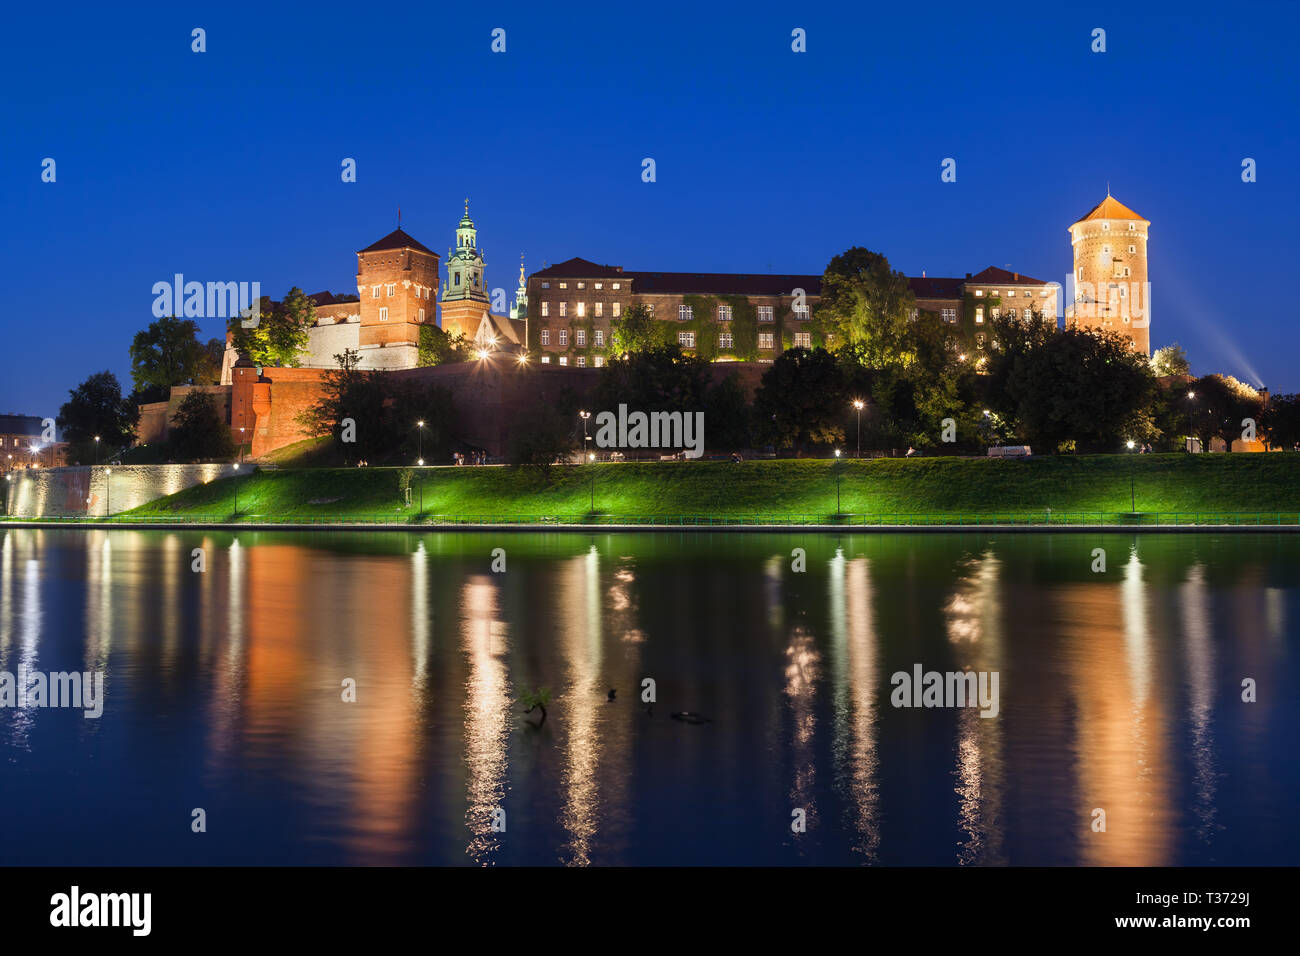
(397,239)
(1111,208)
(995,276)
(722,283)
(577,268)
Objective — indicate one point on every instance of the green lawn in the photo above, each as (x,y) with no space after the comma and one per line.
(1247,483)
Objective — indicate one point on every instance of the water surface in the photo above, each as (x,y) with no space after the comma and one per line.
(1119,691)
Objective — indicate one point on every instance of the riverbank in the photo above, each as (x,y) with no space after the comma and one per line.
(1091,491)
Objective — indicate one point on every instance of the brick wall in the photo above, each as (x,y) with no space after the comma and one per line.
(50,492)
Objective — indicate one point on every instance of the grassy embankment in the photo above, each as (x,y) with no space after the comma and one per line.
(952,487)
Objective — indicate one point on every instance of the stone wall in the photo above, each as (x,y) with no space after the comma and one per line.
(82,491)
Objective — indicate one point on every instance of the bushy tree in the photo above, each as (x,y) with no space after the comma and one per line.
(728,418)
(636,330)
(800,401)
(867,305)
(655,379)
(437,347)
(1219,404)
(96,407)
(168,353)
(199,430)
(539,437)
(1281,421)
(1170,360)
(281,334)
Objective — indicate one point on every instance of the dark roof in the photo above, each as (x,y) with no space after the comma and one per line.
(722,283)
(27,425)
(397,239)
(935,287)
(995,276)
(322,298)
(576,268)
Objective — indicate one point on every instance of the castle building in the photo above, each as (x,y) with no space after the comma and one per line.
(743,317)
(466,308)
(1112,291)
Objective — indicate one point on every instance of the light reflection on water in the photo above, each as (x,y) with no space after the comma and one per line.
(1120,692)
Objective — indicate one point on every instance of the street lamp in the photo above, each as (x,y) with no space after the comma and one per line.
(9,481)
(838,479)
(857,404)
(236,491)
(241,443)
(584,415)
(108,491)
(1132,481)
(96,451)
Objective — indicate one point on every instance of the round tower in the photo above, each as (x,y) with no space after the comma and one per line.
(1111,287)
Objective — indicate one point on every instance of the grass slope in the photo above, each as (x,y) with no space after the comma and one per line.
(950,486)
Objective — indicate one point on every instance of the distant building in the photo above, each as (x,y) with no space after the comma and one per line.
(22,444)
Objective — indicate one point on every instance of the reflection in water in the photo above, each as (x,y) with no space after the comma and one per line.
(1195,607)
(487,706)
(223,691)
(973,619)
(854,677)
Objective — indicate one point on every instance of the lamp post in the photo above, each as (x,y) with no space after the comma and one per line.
(108,492)
(838,478)
(9,481)
(584,415)
(857,405)
(96,451)
(241,443)
(1132,482)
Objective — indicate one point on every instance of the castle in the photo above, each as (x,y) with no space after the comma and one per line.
(563,314)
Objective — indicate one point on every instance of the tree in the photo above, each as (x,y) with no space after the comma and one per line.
(728,419)
(199,430)
(801,400)
(1219,405)
(657,379)
(96,408)
(167,353)
(1170,360)
(539,437)
(1077,386)
(282,331)
(636,330)
(209,370)
(1281,421)
(866,304)
(442,348)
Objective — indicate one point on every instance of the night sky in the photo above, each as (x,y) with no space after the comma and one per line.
(225,165)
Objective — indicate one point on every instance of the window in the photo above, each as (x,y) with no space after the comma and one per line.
(617,309)
(1132,227)
(686,340)
(1105,227)
(650,309)
(582,310)
(764,340)
(725,340)
(374,292)
(1011,293)
(546,309)
(995,312)
(599,308)
(456,277)
(421,318)
(600,338)
(765,313)
(546,360)
(600,361)
(383,313)
(979,293)
(1127,271)
(582,285)
(1132,250)
(803,340)
(724,313)
(685,313)
(582,361)
(600,285)
(580,338)
(615,286)
(1105,250)
(564,285)
(564,336)
(564,360)
(546,336)
(391,289)
(979,315)
(950,316)
(801,312)
(913,314)
(979,340)
(1011,313)
(546,285)
(564,309)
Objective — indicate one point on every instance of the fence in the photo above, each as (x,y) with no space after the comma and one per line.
(1066,519)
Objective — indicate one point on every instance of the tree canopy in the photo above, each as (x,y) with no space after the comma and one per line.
(96,407)
(281,334)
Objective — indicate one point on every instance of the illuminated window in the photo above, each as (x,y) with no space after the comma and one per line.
(725,341)
(564,360)
(600,338)
(546,285)
(724,313)
(617,309)
(615,285)
(803,340)
(546,360)
(564,309)
(600,285)
(600,361)
(564,336)
(950,316)
(546,309)
(582,285)
(564,285)
(582,361)
(599,308)
(582,309)
(580,338)
(546,336)
(979,293)
(685,313)
(764,340)
(801,312)
(686,340)
(765,313)
(979,315)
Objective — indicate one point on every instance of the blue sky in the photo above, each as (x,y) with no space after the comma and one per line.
(225,165)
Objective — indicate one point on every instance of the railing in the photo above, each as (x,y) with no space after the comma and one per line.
(1054,519)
